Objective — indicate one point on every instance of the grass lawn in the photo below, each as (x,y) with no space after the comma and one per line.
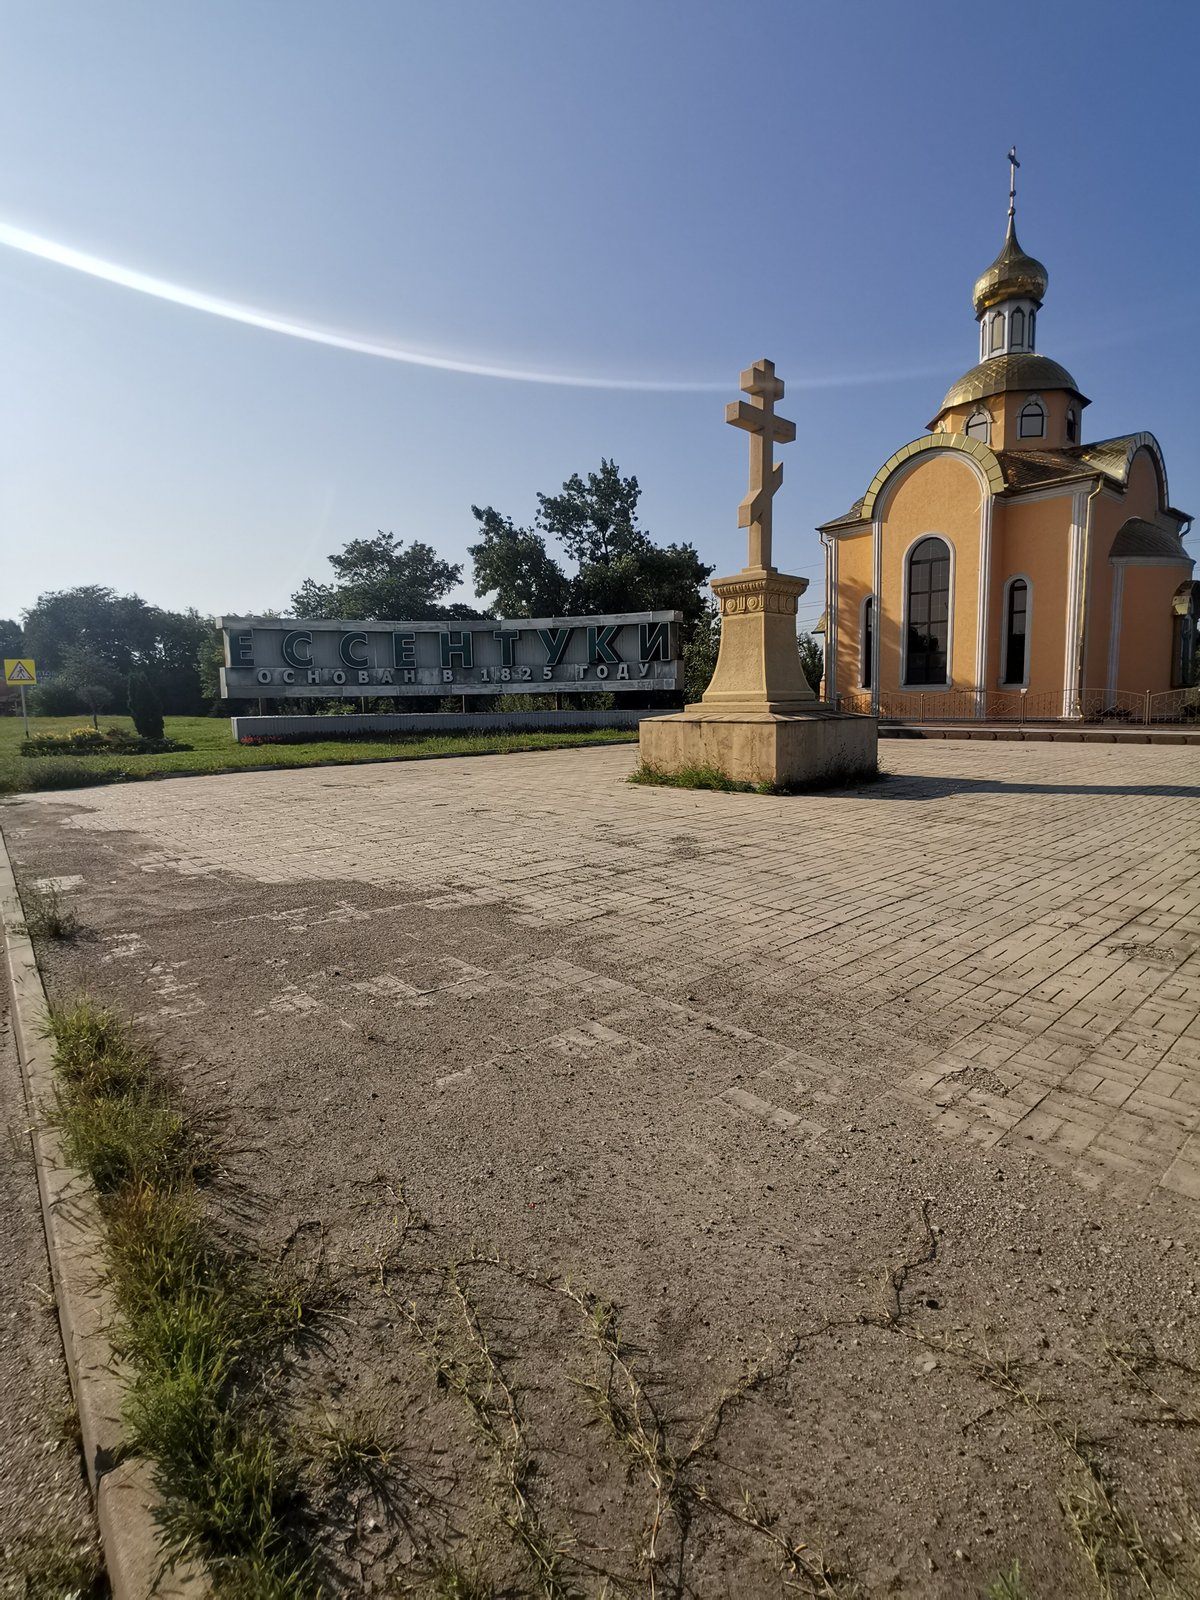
(213,750)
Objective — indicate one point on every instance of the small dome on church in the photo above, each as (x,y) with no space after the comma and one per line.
(1012,273)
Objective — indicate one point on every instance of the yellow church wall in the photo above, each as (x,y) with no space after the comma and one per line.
(1004,410)
(1108,513)
(941,495)
(1032,540)
(1141,487)
(854,585)
(1145,649)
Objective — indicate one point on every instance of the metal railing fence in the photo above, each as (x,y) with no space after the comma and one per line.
(1095,706)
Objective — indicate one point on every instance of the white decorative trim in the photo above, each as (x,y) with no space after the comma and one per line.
(927,688)
(1074,597)
(1181,560)
(1114,637)
(986,415)
(831,623)
(877,589)
(1017,577)
(981,618)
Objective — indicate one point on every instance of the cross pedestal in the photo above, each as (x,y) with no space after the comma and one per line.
(759,720)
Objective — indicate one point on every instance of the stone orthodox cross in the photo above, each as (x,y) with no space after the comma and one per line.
(765,430)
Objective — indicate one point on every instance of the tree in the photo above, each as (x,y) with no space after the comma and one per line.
(618,565)
(514,564)
(12,643)
(700,653)
(595,521)
(144,705)
(85,674)
(379,578)
(120,632)
(812,659)
(117,629)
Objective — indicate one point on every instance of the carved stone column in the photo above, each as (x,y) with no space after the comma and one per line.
(758,668)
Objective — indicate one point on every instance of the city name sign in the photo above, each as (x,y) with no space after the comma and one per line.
(284,658)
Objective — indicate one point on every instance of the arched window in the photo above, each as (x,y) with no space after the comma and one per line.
(997,332)
(867,642)
(1016,631)
(979,426)
(1016,328)
(927,613)
(1032,325)
(1031,424)
(1072,426)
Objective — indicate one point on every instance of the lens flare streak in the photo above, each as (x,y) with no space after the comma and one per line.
(232,310)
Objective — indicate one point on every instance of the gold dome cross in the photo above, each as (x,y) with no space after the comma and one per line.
(766,430)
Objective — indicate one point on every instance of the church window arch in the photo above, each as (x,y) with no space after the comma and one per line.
(1030,329)
(997,337)
(866,643)
(1014,640)
(927,595)
(1072,425)
(979,426)
(1016,328)
(1031,422)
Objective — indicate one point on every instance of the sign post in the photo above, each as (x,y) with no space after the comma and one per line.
(21,670)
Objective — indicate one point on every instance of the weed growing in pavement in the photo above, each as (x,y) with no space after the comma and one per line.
(355,1444)
(1008,1585)
(842,776)
(197,1321)
(697,778)
(47,914)
(454,1581)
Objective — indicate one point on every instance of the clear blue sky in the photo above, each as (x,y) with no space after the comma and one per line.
(623,189)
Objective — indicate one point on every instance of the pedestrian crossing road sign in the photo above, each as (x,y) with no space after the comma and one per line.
(22,670)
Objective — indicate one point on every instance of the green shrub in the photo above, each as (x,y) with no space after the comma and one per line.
(144,705)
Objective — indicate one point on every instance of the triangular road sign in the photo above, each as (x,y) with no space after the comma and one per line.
(19,672)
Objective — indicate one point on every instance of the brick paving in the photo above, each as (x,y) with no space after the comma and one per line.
(1015,927)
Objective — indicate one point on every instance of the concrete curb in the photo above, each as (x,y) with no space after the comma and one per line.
(125,1498)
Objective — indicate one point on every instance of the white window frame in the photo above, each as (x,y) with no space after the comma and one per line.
(986,415)
(1017,577)
(927,688)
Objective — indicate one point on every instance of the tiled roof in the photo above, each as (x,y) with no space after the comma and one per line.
(1139,540)
(847,517)
(1027,469)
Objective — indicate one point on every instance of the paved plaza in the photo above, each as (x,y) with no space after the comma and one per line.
(1017,929)
(834,1097)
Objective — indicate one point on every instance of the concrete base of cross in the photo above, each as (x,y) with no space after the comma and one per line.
(759,720)
(817,747)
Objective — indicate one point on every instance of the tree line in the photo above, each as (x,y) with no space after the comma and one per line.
(90,641)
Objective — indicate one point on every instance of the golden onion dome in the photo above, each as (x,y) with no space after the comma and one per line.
(1012,273)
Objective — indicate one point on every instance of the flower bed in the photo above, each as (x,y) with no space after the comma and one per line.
(97,742)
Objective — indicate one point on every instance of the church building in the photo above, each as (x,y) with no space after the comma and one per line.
(999,564)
